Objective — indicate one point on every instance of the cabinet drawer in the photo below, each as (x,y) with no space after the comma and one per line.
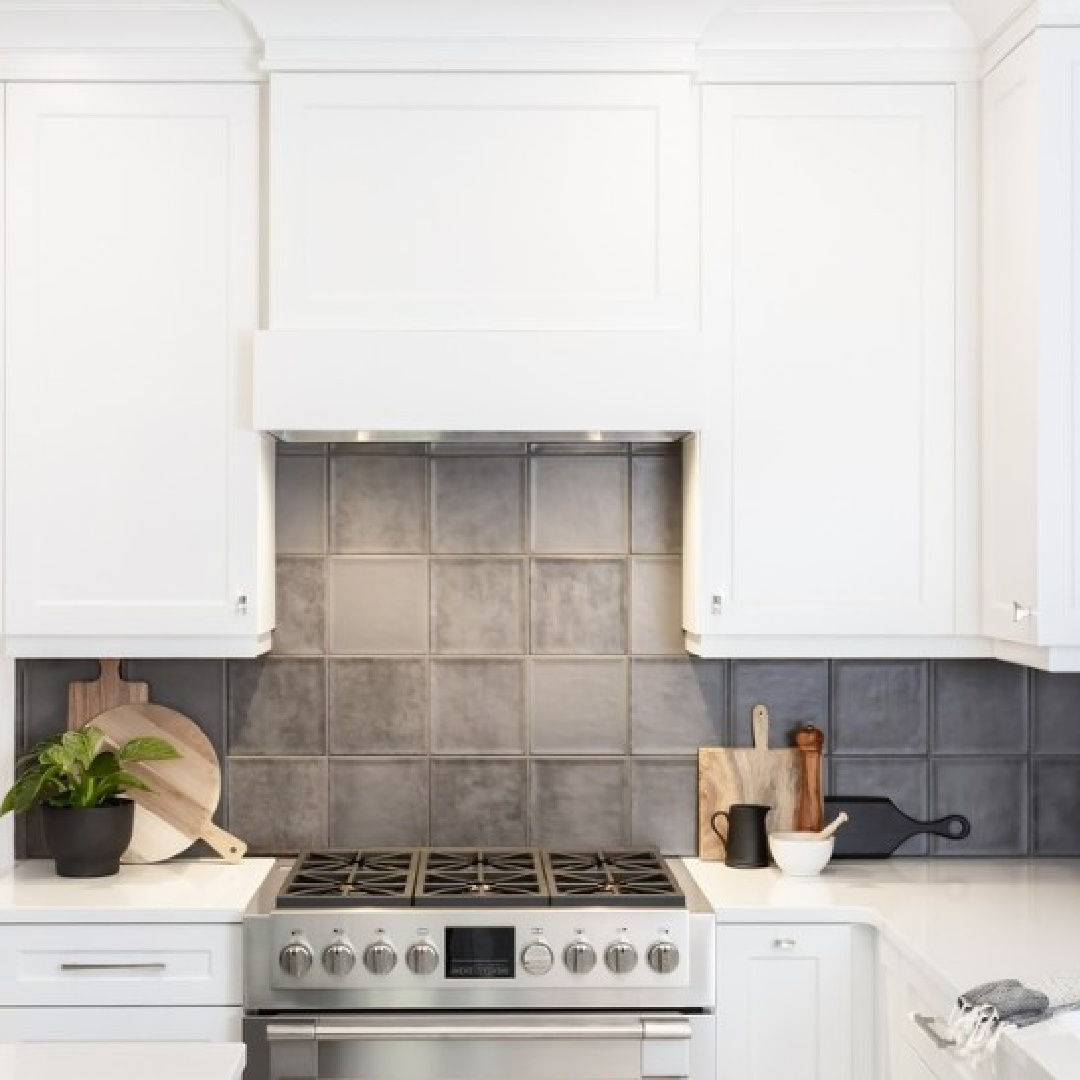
(105,964)
(121,1025)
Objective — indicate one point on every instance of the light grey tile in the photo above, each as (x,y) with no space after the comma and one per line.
(578,804)
(796,692)
(656,606)
(656,499)
(980,707)
(590,448)
(579,606)
(579,707)
(478,803)
(378,503)
(904,780)
(277,707)
(579,504)
(665,806)
(477,449)
(992,793)
(278,805)
(378,706)
(376,802)
(1055,713)
(364,448)
(300,504)
(43,695)
(478,606)
(477,706)
(378,605)
(1056,807)
(301,449)
(676,706)
(881,707)
(301,606)
(478,505)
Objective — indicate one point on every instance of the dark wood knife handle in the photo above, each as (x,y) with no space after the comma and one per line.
(809,814)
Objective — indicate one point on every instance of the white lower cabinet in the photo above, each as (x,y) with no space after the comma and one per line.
(128,1024)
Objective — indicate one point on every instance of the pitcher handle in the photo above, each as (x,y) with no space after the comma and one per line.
(712,823)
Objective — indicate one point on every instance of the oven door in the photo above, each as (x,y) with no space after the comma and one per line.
(469,1046)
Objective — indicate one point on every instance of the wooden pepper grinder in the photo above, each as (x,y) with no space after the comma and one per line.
(810,813)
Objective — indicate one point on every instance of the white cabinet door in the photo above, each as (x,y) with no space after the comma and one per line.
(138,496)
(828,479)
(121,1025)
(784,1005)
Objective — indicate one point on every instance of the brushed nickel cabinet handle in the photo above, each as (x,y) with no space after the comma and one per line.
(113,967)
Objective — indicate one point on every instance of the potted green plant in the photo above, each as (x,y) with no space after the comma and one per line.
(79,784)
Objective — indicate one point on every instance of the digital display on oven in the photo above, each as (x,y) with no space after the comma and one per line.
(480,952)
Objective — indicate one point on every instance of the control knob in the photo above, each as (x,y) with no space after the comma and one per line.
(620,957)
(579,957)
(380,958)
(339,958)
(422,958)
(295,959)
(537,958)
(663,957)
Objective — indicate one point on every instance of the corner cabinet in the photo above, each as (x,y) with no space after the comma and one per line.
(138,496)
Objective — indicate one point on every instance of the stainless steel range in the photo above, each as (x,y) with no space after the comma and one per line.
(447,964)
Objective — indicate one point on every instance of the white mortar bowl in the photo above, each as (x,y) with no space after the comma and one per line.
(799,854)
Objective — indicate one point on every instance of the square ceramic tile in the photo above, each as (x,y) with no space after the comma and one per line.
(378,706)
(578,606)
(656,606)
(796,692)
(904,780)
(43,695)
(578,804)
(300,504)
(478,606)
(1055,713)
(579,504)
(880,706)
(992,793)
(579,706)
(1056,807)
(277,707)
(378,504)
(656,500)
(478,505)
(378,801)
(195,688)
(278,805)
(301,606)
(676,706)
(377,605)
(665,806)
(477,706)
(479,803)
(980,707)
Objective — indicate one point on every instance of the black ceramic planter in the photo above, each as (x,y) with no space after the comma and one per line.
(88,842)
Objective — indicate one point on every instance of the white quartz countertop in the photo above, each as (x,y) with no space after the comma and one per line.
(181,890)
(121,1061)
(962,922)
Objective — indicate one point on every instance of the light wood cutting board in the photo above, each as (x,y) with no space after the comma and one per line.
(87,699)
(756,774)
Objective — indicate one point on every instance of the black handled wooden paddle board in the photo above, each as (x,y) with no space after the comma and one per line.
(877,826)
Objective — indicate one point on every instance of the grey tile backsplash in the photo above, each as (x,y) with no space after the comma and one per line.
(481,645)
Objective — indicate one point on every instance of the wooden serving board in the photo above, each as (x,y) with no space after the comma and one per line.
(756,774)
(87,699)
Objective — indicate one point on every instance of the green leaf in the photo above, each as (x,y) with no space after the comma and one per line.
(148,748)
(26,793)
(105,764)
(126,780)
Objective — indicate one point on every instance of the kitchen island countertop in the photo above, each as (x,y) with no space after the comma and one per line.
(119,1061)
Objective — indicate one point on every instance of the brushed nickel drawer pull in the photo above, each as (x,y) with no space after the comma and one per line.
(113,967)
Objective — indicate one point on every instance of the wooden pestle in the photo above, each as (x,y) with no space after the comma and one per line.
(810,812)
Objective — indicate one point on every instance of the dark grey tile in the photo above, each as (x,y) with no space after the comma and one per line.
(476,449)
(304,449)
(578,606)
(1056,807)
(301,606)
(904,780)
(880,707)
(656,606)
(478,505)
(378,706)
(278,805)
(1055,713)
(579,706)
(477,706)
(377,605)
(42,687)
(195,688)
(478,803)
(277,707)
(378,503)
(665,806)
(300,504)
(579,803)
(795,692)
(378,802)
(478,606)
(364,448)
(656,500)
(992,793)
(980,707)
(676,706)
(579,504)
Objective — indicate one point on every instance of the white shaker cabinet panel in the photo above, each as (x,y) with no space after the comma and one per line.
(138,497)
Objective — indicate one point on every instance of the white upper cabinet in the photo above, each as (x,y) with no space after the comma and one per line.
(138,497)
(822,493)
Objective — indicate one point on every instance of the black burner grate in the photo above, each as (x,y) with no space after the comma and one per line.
(636,878)
(452,877)
(344,879)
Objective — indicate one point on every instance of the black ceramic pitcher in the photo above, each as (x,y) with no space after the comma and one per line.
(746,845)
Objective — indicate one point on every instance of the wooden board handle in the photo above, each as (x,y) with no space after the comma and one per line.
(810,811)
(760,720)
(230,848)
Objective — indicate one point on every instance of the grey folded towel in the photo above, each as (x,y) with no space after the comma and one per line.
(1014,1003)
